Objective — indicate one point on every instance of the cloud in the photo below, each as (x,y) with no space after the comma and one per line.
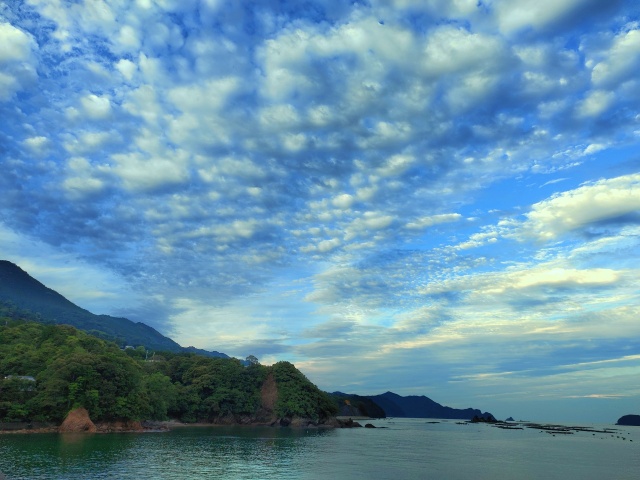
(16,59)
(95,107)
(425,222)
(614,200)
(619,61)
(141,173)
(16,45)
(595,104)
(540,15)
(37,145)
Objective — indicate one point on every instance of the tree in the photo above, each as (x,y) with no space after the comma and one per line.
(252,360)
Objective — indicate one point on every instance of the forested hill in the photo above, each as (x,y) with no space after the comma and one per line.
(22,296)
(48,370)
(412,406)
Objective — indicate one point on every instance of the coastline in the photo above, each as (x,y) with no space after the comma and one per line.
(160,426)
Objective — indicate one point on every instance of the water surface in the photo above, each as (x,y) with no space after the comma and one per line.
(405,449)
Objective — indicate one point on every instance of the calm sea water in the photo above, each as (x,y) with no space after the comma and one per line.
(406,449)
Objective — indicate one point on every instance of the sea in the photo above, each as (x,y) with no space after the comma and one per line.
(396,449)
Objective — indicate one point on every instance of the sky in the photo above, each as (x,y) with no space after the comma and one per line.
(432,197)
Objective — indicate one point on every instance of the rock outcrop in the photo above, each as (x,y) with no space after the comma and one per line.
(348,424)
(77,420)
(120,426)
(268,399)
(484,419)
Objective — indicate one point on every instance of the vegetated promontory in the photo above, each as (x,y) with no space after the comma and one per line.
(629,420)
(47,371)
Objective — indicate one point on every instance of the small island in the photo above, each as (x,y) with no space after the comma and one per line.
(629,420)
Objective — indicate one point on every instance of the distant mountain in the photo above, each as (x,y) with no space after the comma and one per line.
(395,405)
(23,295)
(351,405)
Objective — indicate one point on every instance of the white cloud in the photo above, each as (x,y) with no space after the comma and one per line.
(621,62)
(15,45)
(144,101)
(226,168)
(479,239)
(323,246)
(343,201)
(396,165)
(82,178)
(429,221)
(367,225)
(17,63)
(445,8)
(206,97)
(127,68)
(37,145)
(594,148)
(96,107)
(87,142)
(140,172)
(202,122)
(554,276)
(595,104)
(279,117)
(604,200)
(514,15)
(450,50)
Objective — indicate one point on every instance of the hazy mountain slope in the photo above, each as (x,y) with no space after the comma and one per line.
(395,405)
(21,291)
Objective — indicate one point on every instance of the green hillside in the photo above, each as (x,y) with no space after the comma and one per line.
(48,370)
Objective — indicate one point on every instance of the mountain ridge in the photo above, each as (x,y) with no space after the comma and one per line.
(20,291)
(414,406)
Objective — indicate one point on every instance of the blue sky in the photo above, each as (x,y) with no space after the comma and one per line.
(430,197)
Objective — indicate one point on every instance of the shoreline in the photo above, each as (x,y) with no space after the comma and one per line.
(159,426)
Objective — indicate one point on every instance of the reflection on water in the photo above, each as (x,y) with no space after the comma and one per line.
(407,449)
(217,452)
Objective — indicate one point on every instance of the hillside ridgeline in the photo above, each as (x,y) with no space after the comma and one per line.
(412,406)
(46,371)
(22,296)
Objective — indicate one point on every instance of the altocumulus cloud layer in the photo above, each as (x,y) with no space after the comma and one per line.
(433,197)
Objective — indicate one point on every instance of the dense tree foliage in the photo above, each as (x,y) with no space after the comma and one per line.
(298,397)
(71,369)
(47,370)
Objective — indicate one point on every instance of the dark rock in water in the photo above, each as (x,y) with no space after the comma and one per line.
(285,422)
(369,425)
(348,424)
(631,420)
(485,419)
(2,476)
(510,419)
